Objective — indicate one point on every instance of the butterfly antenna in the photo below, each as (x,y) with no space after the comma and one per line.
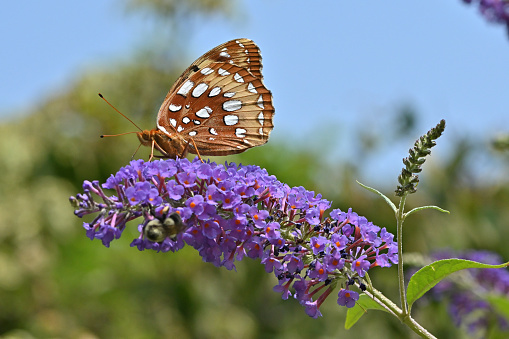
(120,114)
(116,135)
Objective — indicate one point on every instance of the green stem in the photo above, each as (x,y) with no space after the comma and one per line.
(400,218)
(394,309)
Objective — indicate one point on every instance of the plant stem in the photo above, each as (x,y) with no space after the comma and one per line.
(400,218)
(394,309)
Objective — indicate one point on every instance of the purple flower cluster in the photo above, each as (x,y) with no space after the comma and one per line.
(466,305)
(230,212)
(493,10)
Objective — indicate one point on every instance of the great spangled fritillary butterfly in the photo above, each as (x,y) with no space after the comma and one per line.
(218,106)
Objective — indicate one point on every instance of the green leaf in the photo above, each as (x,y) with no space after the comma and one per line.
(499,303)
(361,307)
(417,209)
(428,276)
(389,202)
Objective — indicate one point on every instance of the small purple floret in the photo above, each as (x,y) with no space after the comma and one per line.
(347,298)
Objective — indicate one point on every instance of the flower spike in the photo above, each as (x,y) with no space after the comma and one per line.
(422,147)
(230,212)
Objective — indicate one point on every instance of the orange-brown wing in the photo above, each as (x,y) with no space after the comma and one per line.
(224,108)
(241,52)
(220,101)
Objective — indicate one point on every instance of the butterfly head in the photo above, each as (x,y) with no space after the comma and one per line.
(145,137)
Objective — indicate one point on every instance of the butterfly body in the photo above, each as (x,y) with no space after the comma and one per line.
(170,147)
(218,106)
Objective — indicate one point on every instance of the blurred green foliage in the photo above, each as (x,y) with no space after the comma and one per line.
(55,282)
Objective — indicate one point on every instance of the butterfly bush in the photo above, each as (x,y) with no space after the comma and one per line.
(231,212)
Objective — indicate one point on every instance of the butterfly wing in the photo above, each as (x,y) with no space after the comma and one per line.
(241,52)
(220,102)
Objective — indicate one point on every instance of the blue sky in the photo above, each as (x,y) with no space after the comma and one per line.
(328,63)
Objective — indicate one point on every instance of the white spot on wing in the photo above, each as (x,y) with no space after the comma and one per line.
(224,54)
(200,89)
(238,77)
(261,118)
(196,122)
(240,132)
(174,108)
(260,131)
(180,129)
(186,120)
(223,72)
(232,105)
(214,91)
(185,88)
(228,94)
(207,71)
(204,113)
(251,88)
(173,122)
(260,102)
(240,44)
(163,129)
(230,120)
(212,131)
(193,133)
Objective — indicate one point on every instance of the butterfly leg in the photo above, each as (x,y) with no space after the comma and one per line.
(152,150)
(132,157)
(196,148)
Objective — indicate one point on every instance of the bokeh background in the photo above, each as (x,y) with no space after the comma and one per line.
(354,84)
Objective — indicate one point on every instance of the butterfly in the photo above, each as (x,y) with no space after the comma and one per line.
(218,106)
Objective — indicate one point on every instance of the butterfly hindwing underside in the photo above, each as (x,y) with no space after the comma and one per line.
(218,106)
